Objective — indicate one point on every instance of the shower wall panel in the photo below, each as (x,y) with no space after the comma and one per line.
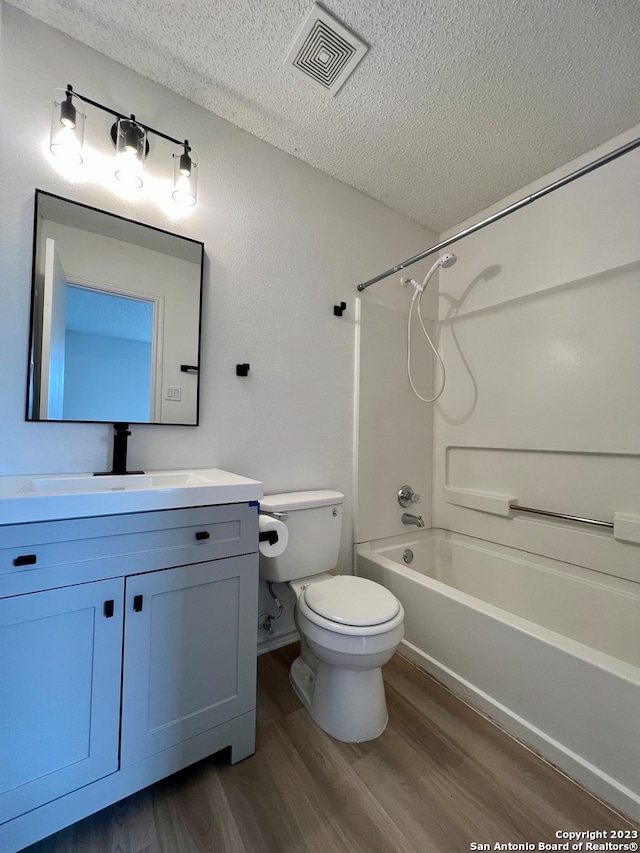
(393,428)
(539,332)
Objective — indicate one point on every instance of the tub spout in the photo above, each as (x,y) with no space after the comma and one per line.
(407,518)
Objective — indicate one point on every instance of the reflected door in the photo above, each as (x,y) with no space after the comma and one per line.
(109,368)
(53,334)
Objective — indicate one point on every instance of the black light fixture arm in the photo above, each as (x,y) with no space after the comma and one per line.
(71,91)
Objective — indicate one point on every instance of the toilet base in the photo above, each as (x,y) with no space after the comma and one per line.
(347,704)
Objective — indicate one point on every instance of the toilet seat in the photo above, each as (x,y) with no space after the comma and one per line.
(351,600)
(344,599)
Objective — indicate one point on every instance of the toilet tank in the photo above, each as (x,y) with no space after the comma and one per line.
(314,525)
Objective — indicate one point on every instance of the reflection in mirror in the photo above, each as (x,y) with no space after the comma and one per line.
(115,318)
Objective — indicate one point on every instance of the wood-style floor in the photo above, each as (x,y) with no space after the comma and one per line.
(439,779)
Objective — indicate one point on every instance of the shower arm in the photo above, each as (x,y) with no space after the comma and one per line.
(572,176)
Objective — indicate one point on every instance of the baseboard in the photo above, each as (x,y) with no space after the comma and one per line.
(276,641)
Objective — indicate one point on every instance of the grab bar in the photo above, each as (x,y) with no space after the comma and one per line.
(595,521)
(625,526)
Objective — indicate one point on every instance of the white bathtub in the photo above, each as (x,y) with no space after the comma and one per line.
(548,650)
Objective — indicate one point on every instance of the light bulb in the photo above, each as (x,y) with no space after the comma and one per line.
(68,113)
(131,151)
(67,128)
(185,164)
(185,177)
(129,169)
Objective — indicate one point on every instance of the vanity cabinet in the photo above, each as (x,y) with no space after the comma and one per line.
(127,652)
(60,685)
(185,661)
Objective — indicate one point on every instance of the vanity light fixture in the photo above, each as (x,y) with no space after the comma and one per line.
(185,176)
(130,138)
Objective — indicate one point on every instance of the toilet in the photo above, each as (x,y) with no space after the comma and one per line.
(349,626)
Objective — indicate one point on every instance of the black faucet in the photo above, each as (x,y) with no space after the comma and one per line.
(121,433)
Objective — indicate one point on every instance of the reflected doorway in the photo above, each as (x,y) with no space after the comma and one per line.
(108,356)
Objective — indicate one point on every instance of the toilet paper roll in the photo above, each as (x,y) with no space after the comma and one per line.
(267,524)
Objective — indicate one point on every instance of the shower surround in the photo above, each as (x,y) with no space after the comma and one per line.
(537,327)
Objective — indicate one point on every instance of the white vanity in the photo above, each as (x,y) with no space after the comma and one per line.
(128,608)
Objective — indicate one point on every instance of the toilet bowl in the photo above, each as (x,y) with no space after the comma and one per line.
(340,681)
(349,627)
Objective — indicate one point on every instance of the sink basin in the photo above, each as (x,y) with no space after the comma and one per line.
(114,482)
(64,485)
(50,497)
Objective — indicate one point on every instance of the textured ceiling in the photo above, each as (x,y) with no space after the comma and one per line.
(457,103)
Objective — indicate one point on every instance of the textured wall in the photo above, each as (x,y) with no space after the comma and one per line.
(284,243)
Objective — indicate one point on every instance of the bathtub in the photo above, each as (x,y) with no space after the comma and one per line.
(548,650)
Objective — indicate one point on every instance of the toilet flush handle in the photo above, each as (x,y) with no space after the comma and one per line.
(280,515)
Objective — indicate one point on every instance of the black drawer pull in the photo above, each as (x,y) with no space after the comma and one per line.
(203,534)
(109,608)
(25,560)
(137,603)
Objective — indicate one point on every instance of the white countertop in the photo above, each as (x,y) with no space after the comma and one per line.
(48,497)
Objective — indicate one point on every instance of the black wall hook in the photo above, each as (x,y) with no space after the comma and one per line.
(242,369)
(338,309)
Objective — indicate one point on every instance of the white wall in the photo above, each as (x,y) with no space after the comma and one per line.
(284,243)
(393,428)
(540,338)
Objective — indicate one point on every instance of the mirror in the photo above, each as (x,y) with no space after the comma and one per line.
(115,319)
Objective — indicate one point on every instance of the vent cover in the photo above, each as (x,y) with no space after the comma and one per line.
(325,52)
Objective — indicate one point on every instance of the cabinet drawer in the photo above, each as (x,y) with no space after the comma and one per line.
(86,549)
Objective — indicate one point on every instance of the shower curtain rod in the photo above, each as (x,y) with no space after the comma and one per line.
(572,176)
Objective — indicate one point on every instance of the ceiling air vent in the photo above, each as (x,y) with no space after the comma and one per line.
(325,52)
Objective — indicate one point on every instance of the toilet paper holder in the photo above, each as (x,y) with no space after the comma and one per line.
(270,536)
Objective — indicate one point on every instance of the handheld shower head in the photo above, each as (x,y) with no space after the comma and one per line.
(445,262)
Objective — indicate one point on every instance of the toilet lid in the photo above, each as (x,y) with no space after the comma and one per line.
(349,600)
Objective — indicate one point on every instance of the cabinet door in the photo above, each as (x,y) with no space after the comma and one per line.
(60,668)
(190,652)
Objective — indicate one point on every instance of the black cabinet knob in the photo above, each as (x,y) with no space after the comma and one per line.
(203,534)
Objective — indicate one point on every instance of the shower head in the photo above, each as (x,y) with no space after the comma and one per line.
(445,262)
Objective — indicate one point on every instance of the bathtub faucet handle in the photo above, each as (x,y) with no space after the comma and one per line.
(406,497)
